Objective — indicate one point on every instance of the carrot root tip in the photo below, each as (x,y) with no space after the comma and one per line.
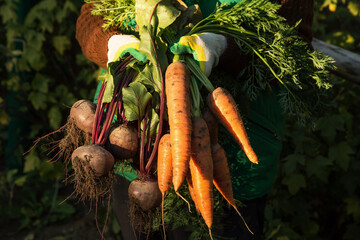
(184,200)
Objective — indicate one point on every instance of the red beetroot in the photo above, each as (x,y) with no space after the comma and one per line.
(101,161)
(123,141)
(83,113)
(145,193)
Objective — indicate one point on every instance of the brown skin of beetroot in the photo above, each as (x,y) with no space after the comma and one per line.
(101,161)
(145,193)
(123,141)
(83,113)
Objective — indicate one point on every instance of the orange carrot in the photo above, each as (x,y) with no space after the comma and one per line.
(191,190)
(222,179)
(164,171)
(177,84)
(201,169)
(223,105)
(212,124)
(164,164)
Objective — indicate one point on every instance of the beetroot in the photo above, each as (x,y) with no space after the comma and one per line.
(123,141)
(93,175)
(145,193)
(100,160)
(83,114)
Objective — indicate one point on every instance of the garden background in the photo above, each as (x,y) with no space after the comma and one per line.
(43,72)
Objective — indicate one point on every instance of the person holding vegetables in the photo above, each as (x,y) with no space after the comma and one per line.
(219,54)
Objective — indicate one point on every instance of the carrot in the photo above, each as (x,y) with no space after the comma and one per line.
(177,81)
(212,124)
(201,169)
(164,171)
(222,179)
(164,164)
(223,105)
(191,190)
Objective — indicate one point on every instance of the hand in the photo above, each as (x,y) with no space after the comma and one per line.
(206,49)
(121,45)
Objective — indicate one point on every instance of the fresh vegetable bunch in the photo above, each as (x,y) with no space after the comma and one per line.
(158,111)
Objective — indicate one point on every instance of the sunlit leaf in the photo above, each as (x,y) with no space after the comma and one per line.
(332,7)
(154,123)
(353,8)
(108,78)
(164,15)
(148,77)
(135,99)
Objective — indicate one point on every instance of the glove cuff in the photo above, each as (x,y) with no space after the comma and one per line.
(120,44)
(213,46)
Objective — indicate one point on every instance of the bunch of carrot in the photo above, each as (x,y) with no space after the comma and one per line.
(191,149)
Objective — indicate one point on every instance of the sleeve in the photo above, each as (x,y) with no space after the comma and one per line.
(92,39)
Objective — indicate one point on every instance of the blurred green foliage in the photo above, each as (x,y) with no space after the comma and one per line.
(337,22)
(43,72)
(316,195)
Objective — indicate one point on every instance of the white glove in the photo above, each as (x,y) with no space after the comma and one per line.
(121,45)
(206,49)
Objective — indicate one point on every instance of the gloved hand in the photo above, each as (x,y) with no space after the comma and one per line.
(206,49)
(121,45)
